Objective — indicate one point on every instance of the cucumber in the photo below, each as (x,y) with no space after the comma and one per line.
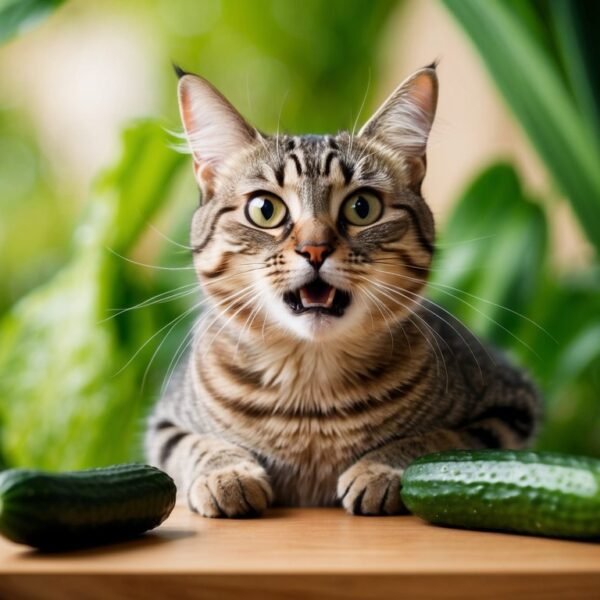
(83,508)
(541,493)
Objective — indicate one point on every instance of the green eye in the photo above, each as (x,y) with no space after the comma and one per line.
(266,211)
(362,208)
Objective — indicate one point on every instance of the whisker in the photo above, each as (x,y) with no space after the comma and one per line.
(500,306)
(279,122)
(175,294)
(378,306)
(414,313)
(263,142)
(263,326)
(174,364)
(420,298)
(449,323)
(173,321)
(369,309)
(168,239)
(437,351)
(165,337)
(216,314)
(248,323)
(515,337)
(362,104)
(141,264)
(161,298)
(427,269)
(227,301)
(442,287)
(463,242)
(251,299)
(220,278)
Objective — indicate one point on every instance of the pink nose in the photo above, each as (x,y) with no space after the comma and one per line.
(315,254)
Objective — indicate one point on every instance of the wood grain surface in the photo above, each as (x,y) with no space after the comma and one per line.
(307,553)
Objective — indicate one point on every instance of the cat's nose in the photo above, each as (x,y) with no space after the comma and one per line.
(315,254)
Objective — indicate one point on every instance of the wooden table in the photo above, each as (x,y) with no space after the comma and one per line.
(307,553)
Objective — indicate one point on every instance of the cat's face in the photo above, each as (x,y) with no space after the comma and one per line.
(320,236)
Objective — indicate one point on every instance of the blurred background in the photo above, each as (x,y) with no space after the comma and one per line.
(96,292)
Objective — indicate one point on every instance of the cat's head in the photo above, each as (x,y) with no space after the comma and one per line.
(319,236)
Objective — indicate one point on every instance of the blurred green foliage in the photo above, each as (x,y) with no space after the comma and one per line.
(554,96)
(66,398)
(492,271)
(17,16)
(543,56)
(77,374)
(288,57)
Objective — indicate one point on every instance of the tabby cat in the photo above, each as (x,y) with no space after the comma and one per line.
(319,371)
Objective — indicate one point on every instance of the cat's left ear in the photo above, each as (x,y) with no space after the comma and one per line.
(215,130)
(404,120)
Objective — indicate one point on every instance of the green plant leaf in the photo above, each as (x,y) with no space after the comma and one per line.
(491,256)
(18,16)
(572,422)
(568,307)
(530,82)
(139,182)
(491,265)
(576,25)
(65,395)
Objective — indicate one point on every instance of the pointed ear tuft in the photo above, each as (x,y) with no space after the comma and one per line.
(404,120)
(214,128)
(178,71)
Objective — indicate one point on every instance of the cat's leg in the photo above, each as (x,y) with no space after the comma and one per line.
(504,416)
(371,486)
(217,478)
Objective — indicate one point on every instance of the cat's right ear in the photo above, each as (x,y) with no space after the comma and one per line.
(213,127)
(404,120)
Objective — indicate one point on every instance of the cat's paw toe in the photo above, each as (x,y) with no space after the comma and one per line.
(236,491)
(370,489)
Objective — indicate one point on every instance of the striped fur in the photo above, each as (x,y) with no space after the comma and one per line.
(315,409)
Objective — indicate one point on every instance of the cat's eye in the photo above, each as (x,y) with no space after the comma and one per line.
(266,211)
(362,208)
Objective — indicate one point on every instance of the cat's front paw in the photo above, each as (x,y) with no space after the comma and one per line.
(241,490)
(369,488)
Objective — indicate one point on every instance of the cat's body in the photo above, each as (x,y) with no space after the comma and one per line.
(319,372)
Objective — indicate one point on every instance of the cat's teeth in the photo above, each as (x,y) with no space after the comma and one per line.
(309,302)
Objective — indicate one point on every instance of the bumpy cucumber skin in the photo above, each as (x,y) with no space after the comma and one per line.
(82,508)
(541,493)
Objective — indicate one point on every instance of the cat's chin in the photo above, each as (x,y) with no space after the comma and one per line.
(318,326)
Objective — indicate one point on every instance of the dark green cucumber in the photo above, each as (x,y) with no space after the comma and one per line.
(541,493)
(81,508)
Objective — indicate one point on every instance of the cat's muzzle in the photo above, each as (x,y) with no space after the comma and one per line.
(318,297)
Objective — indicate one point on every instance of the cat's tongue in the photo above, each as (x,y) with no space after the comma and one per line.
(317,293)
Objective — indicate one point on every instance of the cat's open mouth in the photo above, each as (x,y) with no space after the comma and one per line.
(317,296)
